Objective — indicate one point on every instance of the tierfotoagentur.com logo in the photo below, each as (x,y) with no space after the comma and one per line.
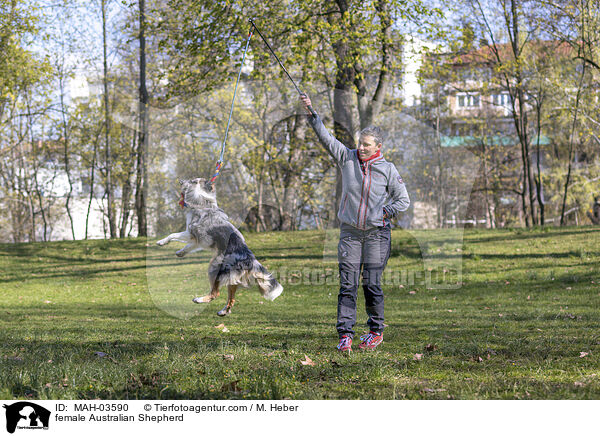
(26,416)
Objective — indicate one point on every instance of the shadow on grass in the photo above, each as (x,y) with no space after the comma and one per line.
(521,234)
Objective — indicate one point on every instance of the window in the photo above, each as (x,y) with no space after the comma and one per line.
(502,99)
(467,101)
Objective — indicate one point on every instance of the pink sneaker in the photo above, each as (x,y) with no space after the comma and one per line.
(345,343)
(370,341)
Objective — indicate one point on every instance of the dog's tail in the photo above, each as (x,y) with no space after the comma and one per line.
(269,287)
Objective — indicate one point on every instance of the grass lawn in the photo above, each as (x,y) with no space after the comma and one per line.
(114,320)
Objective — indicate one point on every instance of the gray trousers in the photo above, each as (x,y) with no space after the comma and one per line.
(368,250)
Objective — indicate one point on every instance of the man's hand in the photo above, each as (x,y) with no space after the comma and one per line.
(306,102)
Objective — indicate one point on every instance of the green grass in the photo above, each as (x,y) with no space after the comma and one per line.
(515,328)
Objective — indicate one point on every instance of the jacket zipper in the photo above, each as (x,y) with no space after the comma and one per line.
(367,199)
(361,197)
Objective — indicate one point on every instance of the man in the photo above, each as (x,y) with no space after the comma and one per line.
(372,193)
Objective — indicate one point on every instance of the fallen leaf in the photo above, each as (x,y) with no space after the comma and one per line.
(430,347)
(228,357)
(220,326)
(584,354)
(48,302)
(412,292)
(225,330)
(307,361)
(418,356)
(100,354)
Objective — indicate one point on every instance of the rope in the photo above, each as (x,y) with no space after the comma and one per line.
(220,161)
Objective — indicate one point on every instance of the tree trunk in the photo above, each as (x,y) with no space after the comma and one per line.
(291,179)
(441,195)
(260,218)
(63,110)
(343,123)
(369,109)
(107,152)
(571,140)
(486,187)
(520,116)
(126,192)
(92,180)
(142,152)
(538,179)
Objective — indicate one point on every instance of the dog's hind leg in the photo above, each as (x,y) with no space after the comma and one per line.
(181,237)
(214,293)
(230,300)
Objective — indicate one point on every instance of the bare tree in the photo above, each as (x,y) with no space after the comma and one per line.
(108,189)
(142,146)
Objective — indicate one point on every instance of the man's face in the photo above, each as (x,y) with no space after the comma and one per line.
(367,147)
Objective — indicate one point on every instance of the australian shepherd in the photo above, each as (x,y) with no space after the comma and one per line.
(207,226)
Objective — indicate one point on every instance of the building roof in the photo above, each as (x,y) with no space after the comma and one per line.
(486,54)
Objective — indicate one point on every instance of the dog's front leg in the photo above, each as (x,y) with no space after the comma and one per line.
(192,246)
(181,237)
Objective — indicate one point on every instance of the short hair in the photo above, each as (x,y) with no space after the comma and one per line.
(373,131)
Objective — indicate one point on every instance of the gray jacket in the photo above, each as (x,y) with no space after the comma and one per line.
(368,191)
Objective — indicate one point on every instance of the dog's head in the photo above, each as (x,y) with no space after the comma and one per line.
(198,193)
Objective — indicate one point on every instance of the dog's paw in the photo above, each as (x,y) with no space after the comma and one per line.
(180,253)
(162,242)
(224,311)
(200,300)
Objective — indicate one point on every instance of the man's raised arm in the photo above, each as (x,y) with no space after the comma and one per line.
(334,147)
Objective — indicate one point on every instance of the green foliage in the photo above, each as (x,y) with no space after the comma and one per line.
(18,66)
